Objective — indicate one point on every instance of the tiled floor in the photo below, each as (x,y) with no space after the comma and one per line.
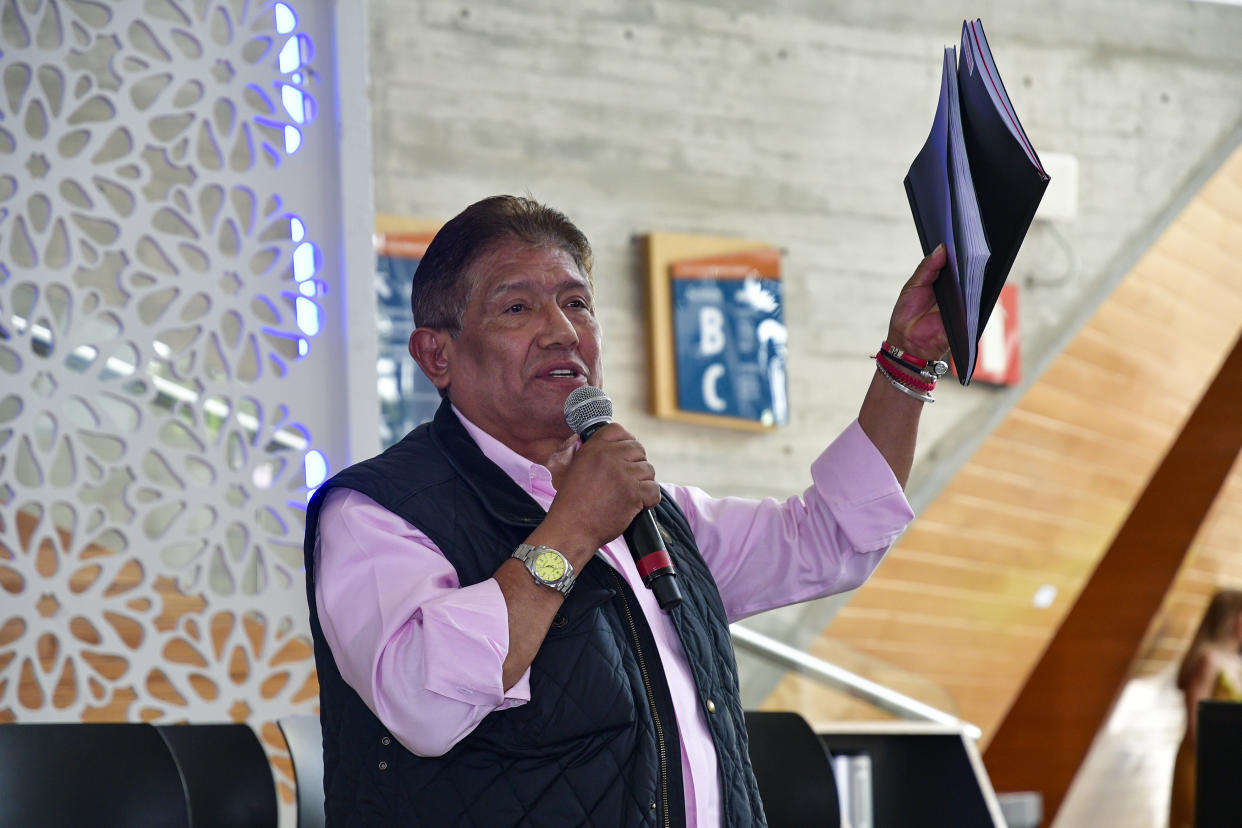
(1125,779)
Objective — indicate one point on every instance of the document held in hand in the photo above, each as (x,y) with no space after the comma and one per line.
(974,186)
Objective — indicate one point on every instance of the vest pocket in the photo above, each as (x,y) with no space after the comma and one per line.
(577,609)
(579,685)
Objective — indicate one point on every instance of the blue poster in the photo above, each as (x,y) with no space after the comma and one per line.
(407,398)
(731,344)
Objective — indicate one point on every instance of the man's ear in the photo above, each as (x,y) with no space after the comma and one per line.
(430,349)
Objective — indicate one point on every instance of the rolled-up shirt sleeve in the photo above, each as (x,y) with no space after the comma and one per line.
(423,652)
(769,553)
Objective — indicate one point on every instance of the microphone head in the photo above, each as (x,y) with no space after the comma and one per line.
(587,406)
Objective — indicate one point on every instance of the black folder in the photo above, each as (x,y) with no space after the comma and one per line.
(974,186)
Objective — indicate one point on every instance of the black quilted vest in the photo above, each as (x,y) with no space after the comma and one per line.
(597,743)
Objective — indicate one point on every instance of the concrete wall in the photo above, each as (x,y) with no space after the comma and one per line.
(796,124)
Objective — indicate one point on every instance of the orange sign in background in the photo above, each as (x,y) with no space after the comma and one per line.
(1000,347)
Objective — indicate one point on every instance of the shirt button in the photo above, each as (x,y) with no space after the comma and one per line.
(653,806)
(711,706)
(385,741)
(383,766)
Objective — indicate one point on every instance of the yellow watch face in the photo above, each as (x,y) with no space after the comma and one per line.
(549,566)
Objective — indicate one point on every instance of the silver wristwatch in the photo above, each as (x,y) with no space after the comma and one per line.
(547,566)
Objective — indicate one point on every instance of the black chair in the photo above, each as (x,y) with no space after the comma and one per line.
(228,780)
(1218,764)
(305,740)
(88,775)
(794,771)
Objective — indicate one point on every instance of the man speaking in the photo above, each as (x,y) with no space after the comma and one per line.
(487,651)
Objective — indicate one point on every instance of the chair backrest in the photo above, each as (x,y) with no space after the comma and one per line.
(228,780)
(793,769)
(304,737)
(87,775)
(1218,764)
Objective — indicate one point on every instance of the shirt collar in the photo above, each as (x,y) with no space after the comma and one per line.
(532,477)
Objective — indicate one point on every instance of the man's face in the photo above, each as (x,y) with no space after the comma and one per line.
(528,337)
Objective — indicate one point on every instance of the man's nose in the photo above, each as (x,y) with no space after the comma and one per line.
(558,329)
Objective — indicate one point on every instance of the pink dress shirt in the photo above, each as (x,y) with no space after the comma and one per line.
(425,653)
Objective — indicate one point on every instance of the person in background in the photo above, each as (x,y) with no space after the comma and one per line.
(1211,669)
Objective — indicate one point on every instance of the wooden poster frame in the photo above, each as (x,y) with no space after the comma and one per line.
(660,252)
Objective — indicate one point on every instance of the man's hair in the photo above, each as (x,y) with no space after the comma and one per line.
(441,287)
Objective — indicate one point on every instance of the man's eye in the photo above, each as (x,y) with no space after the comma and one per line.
(578,303)
(516,307)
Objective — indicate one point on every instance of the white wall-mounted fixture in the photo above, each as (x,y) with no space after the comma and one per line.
(1060,202)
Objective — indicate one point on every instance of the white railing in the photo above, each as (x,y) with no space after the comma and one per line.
(849,683)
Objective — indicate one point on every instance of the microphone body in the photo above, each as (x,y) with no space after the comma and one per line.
(587,411)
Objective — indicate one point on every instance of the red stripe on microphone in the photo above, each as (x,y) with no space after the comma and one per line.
(658,559)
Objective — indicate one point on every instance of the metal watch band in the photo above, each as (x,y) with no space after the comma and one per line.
(527,553)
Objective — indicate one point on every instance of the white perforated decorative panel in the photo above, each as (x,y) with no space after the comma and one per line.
(170,355)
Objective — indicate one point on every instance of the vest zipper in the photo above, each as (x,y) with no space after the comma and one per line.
(655,714)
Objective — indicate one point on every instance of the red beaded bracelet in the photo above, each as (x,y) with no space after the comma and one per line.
(894,370)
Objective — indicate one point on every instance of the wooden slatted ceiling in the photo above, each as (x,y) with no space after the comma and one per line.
(1214,561)
(1044,495)
(1065,700)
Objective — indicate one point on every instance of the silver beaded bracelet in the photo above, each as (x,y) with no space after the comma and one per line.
(920,396)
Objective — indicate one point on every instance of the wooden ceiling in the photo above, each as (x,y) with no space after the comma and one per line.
(1213,561)
(1044,495)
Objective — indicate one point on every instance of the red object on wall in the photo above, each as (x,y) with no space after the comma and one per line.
(1000,347)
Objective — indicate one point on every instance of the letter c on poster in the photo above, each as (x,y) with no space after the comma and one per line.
(710,396)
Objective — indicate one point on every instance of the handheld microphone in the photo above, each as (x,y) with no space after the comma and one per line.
(587,410)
